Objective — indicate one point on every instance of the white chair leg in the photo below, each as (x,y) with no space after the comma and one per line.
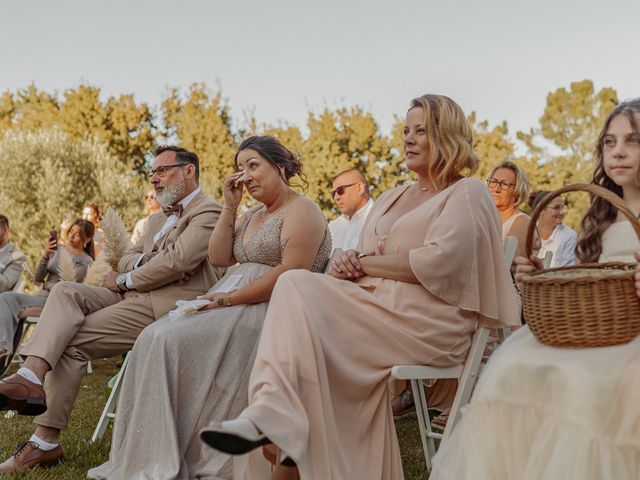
(424,423)
(109,410)
(468,379)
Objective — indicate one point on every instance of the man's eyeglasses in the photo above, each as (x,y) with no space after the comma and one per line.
(162,171)
(504,185)
(340,190)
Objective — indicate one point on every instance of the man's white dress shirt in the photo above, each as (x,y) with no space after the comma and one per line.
(345,231)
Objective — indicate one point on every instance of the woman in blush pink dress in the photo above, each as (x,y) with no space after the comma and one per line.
(428,270)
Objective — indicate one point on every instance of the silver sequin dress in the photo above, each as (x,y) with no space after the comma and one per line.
(185,372)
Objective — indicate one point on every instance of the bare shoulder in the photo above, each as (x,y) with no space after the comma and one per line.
(303,209)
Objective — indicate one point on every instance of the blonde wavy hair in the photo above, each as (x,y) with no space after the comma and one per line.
(522,181)
(450,139)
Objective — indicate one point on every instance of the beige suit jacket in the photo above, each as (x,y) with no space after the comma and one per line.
(182,251)
(12,264)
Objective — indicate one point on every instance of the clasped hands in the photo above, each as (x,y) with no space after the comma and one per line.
(526,266)
(347,265)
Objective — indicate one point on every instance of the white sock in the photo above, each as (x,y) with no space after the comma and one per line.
(29,375)
(46,446)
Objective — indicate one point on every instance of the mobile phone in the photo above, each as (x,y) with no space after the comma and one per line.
(53,236)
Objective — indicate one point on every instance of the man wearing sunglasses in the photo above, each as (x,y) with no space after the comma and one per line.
(80,322)
(352,197)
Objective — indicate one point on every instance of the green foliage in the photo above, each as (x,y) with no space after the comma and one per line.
(124,126)
(45,174)
(342,139)
(557,151)
(200,122)
(569,126)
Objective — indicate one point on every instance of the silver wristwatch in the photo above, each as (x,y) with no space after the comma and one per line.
(121,281)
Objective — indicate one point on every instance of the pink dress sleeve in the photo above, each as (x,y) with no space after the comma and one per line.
(462,259)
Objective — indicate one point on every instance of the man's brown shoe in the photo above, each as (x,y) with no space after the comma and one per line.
(18,393)
(30,455)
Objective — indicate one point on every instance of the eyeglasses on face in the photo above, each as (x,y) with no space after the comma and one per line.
(557,208)
(504,184)
(162,171)
(340,190)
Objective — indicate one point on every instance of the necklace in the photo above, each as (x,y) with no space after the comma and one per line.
(426,189)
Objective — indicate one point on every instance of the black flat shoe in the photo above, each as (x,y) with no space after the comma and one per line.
(235,437)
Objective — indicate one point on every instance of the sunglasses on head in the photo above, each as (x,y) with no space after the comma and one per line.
(340,190)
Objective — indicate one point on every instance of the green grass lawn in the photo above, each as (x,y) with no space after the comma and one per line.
(81,455)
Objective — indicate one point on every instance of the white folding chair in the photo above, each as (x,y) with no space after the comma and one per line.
(109,410)
(510,247)
(466,374)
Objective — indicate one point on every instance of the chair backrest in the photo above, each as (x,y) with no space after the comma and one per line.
(510,247)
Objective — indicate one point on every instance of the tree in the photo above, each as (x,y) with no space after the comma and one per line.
(124,126)
(563,146)
(342,139)
(45,174)
(492,145)
(200,122)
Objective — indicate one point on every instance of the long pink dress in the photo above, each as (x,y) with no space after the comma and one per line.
(319,386)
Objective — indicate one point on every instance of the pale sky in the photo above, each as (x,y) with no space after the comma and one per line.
(280,58)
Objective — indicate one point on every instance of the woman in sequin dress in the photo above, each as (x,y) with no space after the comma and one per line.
(185,370)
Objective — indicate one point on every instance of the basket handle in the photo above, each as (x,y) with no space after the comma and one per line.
(597,190)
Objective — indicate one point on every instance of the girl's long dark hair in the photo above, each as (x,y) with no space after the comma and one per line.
(602,214)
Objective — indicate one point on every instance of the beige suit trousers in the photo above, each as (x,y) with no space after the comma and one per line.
(77,324)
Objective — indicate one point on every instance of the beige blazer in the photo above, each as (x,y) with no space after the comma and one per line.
(182,251)
(12,264)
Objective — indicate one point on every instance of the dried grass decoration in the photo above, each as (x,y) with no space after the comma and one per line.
(116,243)
(587,305)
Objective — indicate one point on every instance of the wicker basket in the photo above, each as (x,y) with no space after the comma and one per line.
(588,305)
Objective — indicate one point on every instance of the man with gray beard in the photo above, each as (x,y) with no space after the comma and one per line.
(80,322)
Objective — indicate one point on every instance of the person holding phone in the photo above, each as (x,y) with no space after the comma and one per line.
(203,359)
(78,245)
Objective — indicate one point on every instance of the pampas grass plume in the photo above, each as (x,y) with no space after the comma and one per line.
(116,238)
(66,270)
(97,272)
